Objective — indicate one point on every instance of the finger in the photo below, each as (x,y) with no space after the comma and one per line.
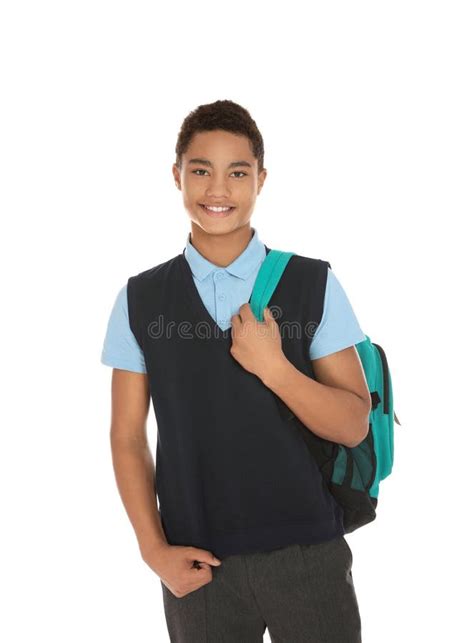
(235,320)
(271,322)
(198,564)
(246,312)
(268,316)
(204,566)
(204,556)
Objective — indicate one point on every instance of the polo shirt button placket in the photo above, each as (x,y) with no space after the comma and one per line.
(218,277)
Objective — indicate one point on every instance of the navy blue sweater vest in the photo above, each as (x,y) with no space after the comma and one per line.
(233,472)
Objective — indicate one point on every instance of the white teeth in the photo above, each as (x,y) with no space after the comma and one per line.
(215,209)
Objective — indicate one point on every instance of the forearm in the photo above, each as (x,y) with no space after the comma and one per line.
(331,413)
(134,473)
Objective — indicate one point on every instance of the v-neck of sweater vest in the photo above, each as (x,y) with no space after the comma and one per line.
(196,303)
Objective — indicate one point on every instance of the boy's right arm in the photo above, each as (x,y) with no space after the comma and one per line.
(132,460)
(134,472)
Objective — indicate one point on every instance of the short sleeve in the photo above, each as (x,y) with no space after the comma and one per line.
(339,327)
(120,348)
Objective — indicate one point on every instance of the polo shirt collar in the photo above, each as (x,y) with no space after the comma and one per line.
(241,267)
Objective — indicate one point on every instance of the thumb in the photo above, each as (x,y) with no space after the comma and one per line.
(267,315)
(204,556)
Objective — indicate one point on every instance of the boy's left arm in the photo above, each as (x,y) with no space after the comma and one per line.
(336,405)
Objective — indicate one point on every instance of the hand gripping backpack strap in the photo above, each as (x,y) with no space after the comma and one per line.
(267,280)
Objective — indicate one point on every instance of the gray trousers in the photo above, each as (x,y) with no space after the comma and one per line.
(302,593)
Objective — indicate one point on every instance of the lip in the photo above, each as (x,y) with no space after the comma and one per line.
(217,215)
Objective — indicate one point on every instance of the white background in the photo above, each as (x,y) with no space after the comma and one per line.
(366,110)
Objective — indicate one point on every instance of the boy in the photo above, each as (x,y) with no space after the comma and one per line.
(247,536)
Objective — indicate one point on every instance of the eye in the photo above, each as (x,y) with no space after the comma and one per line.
(236,172)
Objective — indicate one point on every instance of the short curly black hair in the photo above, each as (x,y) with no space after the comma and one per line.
(220,115)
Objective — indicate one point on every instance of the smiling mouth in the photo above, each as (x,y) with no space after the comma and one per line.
(217,213)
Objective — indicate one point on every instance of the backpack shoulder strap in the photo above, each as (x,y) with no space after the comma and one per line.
(267,280)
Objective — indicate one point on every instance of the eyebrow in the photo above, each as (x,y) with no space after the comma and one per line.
(209,164)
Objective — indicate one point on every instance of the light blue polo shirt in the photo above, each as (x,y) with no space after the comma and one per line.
(223,291)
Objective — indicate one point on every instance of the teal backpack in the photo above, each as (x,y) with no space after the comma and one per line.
(352,475)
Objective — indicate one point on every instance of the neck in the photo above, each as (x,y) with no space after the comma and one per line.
(221,249)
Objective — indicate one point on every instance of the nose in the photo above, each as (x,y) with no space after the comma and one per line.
(217,188)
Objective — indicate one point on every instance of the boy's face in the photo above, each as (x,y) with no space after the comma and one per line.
(208,177)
